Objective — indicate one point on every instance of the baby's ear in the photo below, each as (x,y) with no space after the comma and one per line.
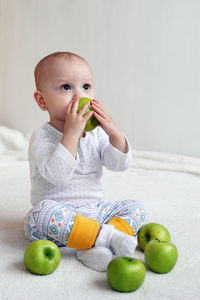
(40,100)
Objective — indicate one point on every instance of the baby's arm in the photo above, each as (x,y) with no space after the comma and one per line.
(117,138)
(112,158)
(53,161)
(56,161)
(118,141)
(74,125)
(115,150)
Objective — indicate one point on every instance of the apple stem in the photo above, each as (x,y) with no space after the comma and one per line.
(158,240)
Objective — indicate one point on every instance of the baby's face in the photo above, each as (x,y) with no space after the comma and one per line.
(64,80)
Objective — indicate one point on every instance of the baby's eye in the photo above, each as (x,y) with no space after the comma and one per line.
(86,86)
(65,87)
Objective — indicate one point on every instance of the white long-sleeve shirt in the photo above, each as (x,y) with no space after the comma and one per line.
(56,175)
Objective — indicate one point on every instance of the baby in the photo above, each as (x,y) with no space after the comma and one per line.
(66,168)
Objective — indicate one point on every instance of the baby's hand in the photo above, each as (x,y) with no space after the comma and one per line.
(117,138)
(75,121)
(104,118)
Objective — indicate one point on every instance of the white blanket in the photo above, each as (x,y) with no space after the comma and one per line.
(169,186)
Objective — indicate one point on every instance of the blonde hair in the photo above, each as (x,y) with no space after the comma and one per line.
(40,67)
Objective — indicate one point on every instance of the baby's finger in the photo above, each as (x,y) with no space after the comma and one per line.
(69,106)
(99,118)
(84,108)
(88,115)
(75,104)
(97,102)
(99,110)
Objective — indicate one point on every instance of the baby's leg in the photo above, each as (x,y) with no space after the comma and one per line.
(127,216)
(122,220)
(61,224)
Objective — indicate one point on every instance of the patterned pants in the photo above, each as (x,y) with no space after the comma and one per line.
(77,227)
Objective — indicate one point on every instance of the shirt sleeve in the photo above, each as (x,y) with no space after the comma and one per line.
(54,162)
(112,158)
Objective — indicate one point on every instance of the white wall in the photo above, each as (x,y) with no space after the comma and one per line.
(145,55)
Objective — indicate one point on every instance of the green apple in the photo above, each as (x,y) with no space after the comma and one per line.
(92,123)
(125,274)
(152,231)
(42,257)
(160,257)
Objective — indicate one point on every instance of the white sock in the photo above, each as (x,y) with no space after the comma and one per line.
(108,241)
(119,242)
(105,235)
(123,244)
(96,258)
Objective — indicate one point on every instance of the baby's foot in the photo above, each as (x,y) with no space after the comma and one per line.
(120,243)
(123,244)
(96,258)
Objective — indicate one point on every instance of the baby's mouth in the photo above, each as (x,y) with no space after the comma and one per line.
(83,134)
